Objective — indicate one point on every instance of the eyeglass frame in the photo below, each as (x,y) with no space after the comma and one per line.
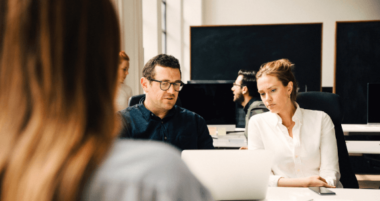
(170,84)
(241,86)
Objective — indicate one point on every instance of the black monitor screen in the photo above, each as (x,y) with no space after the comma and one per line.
(214,102)
(373,104)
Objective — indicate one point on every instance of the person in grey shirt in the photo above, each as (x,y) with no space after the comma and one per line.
(245,93)
(144,170)
(58,119)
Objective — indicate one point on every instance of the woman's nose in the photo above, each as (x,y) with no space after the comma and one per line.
(268,97)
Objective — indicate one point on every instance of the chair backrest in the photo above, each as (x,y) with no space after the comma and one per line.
(140,98)
(331,105)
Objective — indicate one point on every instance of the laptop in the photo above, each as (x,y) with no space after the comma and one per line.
(231,174)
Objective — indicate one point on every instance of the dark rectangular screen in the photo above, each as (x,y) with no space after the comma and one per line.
(214,102)
(373,105)
(357,63)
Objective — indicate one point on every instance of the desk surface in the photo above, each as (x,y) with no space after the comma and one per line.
(360,128)
(237,140)
(232,140)
(304,194)
(363,147)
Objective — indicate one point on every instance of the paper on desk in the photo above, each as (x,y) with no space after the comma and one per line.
(212,130)
(221,131)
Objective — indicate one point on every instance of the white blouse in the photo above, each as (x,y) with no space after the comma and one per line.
(311,151)
(123,95)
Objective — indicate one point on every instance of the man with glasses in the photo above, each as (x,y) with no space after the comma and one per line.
(245,94)
(157,117)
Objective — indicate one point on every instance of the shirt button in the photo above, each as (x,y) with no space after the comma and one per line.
(165,138)
(151,114)
(162,122)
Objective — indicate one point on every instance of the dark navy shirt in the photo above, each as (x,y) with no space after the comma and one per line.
(180,127)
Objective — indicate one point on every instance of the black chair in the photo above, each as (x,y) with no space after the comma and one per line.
(140,99)
(331,105)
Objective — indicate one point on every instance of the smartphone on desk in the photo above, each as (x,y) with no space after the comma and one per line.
(322,190)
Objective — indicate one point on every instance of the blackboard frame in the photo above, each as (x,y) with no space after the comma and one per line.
(277,24)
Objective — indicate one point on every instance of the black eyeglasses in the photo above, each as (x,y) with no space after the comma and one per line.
(165,85)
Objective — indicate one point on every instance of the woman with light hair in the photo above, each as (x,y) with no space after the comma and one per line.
(303,141)
(58,121)
(125,91)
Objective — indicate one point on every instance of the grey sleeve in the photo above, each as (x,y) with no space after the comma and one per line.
(145,171)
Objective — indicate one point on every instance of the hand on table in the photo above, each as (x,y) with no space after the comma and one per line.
(317,181)
(243,148)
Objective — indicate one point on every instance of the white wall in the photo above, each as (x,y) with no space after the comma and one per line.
(151,28)
(228,12)
(181,14)
(130,17)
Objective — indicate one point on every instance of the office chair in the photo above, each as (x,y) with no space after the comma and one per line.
(140,99)
(331,105)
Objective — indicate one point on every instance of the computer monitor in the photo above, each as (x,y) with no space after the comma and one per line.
(213,100)
(373,103)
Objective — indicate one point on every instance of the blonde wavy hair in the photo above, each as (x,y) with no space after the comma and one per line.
(58,70)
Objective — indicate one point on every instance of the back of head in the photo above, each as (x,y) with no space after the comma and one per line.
(161,60)
(249,80)
(282,69)
(58,70)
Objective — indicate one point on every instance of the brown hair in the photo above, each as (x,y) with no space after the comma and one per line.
(249,80)
(282,69)
(123,56)
(58,82)
(162,60)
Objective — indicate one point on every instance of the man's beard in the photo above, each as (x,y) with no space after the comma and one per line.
(239,98)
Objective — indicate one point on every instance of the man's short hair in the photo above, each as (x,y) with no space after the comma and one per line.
(249,80)
(163,60)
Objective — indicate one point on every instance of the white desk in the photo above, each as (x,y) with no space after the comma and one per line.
(304,194)
(232,140)
(237,140)
(363,147)
(360,128)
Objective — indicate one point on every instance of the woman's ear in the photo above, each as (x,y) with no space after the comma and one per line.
(290,87)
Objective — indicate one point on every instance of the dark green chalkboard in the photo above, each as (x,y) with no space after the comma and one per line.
(218,52)
(357,63)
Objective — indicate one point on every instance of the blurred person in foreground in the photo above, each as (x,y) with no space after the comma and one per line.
(303,141)
(58,122)
(125,91)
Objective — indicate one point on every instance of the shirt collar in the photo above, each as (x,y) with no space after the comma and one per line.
(247,105)
(275,119)
(147,114)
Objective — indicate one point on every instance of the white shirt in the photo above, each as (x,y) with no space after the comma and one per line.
(311,151)
(123,95)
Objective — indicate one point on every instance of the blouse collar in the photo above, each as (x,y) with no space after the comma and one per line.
(275,119)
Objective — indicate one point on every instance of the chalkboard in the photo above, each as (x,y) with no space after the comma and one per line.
(218,52)
(357,63)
